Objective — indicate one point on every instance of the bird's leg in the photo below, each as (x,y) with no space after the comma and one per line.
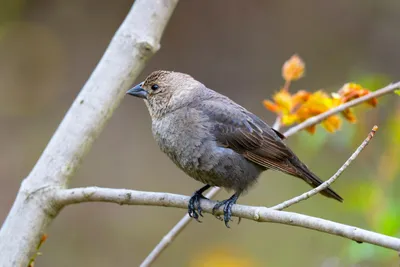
(194,208)
(227,203)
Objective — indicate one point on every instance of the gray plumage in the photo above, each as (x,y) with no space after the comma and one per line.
(213,139)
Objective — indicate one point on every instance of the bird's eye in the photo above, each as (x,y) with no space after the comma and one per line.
(154,87)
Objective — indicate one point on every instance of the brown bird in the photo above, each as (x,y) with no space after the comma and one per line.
(214,140)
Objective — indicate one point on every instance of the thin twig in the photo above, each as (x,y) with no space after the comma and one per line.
(65,197)
(277,123)
(177,229)
(173,233)
(327,183)
(316,119)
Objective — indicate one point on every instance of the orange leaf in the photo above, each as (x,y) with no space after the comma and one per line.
(300,97)
(317,103)
(332,123)
(271,106)
(349,115)
(284,100)
(289,119)
(373,102)
(351,91)
(311,129)
(43,239)
(293,69)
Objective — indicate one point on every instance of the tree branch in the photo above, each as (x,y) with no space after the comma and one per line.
(259,214)
(173,233)
(186,219)
(43,194)
(277,123)
(134,43)
(83,196)
(316,119)
(178,228)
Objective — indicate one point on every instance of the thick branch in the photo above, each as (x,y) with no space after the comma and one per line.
(260,214)
(133,44)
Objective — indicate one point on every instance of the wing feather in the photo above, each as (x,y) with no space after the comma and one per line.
(245,133)
(240,130)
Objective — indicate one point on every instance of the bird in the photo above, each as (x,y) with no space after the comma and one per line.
(215,140)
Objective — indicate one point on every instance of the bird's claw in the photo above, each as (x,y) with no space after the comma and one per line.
(227,204)
(194,208)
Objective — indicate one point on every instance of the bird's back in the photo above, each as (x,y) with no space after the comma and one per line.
(187,136)
(218,142)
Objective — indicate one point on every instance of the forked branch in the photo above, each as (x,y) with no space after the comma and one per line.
(260,214)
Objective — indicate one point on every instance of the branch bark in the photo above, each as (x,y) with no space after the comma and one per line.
(123,196)
(259,214)
(173,233)
(134,43)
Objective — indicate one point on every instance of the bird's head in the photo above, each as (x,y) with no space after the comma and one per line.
(165,91)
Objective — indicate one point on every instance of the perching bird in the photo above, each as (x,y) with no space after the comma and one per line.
(214,140)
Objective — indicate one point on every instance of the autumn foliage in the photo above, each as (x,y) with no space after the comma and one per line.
(298,107)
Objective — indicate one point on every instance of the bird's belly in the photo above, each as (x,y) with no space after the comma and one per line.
(199,156)
(225,168)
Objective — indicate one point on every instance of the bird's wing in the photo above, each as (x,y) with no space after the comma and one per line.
(245,133)
(240,130)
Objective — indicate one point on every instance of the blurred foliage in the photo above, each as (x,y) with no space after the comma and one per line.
(49,48)
(375,199)
(298,107)
(372,81)
(32,63)
(10,10)
(220,257)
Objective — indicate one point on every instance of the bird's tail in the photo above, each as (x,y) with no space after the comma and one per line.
(304,173)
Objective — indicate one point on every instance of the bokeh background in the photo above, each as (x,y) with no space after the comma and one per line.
(48,48)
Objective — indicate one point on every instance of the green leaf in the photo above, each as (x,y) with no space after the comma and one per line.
(388,222)
(361,196)
(397,92)
(358,253)
(371,81)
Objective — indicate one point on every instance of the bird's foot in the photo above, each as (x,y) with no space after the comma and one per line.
(227,204)
(194,208)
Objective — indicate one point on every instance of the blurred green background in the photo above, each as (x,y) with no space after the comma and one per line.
(48,48)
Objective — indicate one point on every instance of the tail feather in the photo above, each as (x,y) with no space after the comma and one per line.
(304,173)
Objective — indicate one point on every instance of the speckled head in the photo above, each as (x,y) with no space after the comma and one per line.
(165,90)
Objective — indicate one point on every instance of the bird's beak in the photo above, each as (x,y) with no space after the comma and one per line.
(138,91)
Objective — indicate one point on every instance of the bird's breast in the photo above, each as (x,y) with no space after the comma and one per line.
(184,136)
(187,138)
